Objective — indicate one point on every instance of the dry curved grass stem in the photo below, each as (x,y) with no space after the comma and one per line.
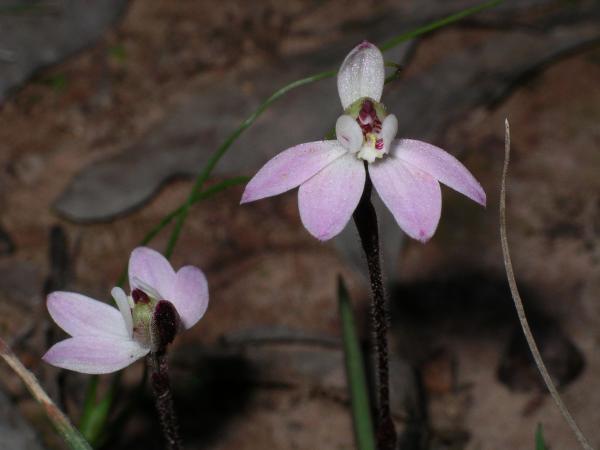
(60,421)
(519,304)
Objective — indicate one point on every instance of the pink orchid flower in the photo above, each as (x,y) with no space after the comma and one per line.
(331,174)
(106,339)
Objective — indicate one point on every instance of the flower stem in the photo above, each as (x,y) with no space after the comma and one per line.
(365,219)
(164,399)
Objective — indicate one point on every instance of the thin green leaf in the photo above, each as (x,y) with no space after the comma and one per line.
(448,20)
(359,399)
(17,9)
(198,196)
(89,405)
(218,154)
(540,443)
(393,65)
(61,423)
(95,414)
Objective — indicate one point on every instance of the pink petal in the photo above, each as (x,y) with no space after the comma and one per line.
(290,168)
(79,315)
(152,268)
(94,354)
(361,75)
(328,199)
(414,197)
(191,299)
(441,165)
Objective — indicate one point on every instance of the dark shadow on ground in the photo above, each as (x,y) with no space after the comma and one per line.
(207,396)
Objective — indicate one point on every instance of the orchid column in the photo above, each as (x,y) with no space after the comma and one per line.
(336,178)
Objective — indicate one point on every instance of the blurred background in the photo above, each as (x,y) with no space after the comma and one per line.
(108,109)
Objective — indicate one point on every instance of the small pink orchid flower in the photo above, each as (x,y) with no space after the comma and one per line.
(106,339)
(331,174)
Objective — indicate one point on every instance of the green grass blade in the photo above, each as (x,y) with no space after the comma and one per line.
(540,443)
(445,21)
(359,398)
(95,414)
(17,9)
(89,405)
(198,196)
(218,154)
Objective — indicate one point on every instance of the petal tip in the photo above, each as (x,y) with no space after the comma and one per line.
(423,236)
(47,357)
(53,297)
(323,234)
(246,197)
(50,357)
(142,249)
(482,199)
(319,235)
(117,292)
(327,234)
(324,237)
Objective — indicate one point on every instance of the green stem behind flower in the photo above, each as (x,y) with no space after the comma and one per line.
(540,442)
(355,374)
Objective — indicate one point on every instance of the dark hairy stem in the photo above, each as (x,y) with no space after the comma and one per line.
(164,399)
(365,219)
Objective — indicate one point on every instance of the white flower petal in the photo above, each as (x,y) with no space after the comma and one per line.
(328,199)
(290,168)
(94,354)
(348,133)
(362,74)
(149,270)
(79,315)
(441,165)
(123,303)
(191,300)
(414,197)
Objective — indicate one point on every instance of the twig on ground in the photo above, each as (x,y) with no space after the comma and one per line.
(61,422)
